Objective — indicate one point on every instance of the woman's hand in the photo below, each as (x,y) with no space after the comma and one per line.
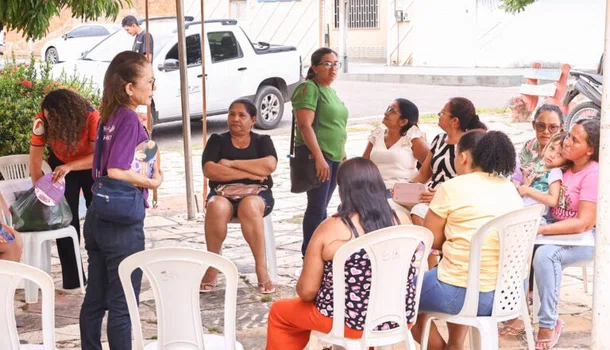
(61,171)
(157,177)
(322,169)
(226,163)
(257,177)
(523,190)
(426,196)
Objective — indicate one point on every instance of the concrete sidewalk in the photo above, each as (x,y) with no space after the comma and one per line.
(450,76)
(167,226)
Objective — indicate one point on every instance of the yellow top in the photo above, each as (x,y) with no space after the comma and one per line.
(467,202)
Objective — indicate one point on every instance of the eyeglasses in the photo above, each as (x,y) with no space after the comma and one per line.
(391,110)
(329,65)
(152,83)
(440,114)
(552,128)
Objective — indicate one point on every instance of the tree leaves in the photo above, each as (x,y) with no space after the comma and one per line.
(515,6)
(32,16)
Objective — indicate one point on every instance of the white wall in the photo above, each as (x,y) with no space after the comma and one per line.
(550,31)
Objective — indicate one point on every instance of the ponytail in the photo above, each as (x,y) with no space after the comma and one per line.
(476,123)
(310,74)
(463,109)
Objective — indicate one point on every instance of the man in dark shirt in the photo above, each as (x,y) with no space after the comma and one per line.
(131,26)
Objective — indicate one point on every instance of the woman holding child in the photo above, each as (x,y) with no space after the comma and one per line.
(574,213)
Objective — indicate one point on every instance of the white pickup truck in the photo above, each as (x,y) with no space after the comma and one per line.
(235,67)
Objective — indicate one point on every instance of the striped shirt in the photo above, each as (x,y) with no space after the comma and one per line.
(443,161)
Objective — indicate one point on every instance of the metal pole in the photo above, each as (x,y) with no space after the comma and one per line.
(343,34)
(321,23)
(186,115)
(203,88)
(601,284)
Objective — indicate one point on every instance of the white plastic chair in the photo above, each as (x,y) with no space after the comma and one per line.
(516,233)
(390,251)
(18,167)
(269,245)
(10,275)
(37,245)
(586,239)
(175,275)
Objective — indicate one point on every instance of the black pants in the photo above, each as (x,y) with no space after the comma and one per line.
(75,182)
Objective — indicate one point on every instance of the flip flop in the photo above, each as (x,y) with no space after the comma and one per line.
(212,287)
(262,289)
(553,340)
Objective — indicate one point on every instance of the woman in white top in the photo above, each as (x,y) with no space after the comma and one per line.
(397,149)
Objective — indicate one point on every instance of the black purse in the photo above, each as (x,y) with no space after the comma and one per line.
(303,175)
(115,200)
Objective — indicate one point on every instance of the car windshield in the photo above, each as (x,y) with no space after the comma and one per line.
(118,42)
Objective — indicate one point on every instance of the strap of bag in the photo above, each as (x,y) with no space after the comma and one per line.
(99,144)
(316,121)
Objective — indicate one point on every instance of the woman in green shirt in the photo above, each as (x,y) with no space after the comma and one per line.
(327,144)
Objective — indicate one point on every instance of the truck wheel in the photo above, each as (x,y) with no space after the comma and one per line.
(586,110)
(270,104)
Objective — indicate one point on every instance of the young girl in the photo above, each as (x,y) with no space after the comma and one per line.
(543,184)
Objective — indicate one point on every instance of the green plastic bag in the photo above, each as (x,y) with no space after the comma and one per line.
(31,215)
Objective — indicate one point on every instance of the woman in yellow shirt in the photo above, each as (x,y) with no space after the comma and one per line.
(484,162)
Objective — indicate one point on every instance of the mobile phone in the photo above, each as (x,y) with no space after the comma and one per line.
(5,235)
(408,193)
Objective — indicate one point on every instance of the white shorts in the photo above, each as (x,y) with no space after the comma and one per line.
(420,210)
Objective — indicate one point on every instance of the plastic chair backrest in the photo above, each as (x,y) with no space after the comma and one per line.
(9,187)
(18,167)
(175,275)
(390,251)
(11,274)
(516,232)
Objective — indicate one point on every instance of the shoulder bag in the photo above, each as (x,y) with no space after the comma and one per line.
(303,175)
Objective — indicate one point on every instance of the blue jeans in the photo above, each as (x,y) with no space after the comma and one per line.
(549,261)
(107,245)
(438,296)
(317,202)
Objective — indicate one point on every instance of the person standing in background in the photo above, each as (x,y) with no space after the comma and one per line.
(131,26)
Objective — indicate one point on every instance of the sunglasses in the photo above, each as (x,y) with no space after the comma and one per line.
(552,128)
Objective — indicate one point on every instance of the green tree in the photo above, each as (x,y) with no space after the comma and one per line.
(516,6)
(32,16)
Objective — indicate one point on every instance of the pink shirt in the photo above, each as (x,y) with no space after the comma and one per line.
(576,187)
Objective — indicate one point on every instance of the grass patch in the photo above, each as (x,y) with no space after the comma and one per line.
(297,219)
(213,330)
(266,298)
(245,279)
(154,337)
(433,117)
(357,129)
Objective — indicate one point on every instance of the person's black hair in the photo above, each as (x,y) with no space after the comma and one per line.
(409,112)
(463,109)
(316,59)
(549,108)
(250,107)
(591,127)
(495,154)
(470,139)
(129,20)
(362,192)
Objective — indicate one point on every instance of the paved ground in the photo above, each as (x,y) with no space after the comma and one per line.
(166,226)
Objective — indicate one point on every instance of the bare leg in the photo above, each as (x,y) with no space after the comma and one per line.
(457,336)
(416,220)
(219,213)
(250,213)
(435,341)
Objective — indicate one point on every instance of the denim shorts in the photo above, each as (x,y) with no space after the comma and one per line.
(266,195)
(437,296)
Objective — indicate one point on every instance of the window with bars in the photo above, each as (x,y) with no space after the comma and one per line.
(360,13)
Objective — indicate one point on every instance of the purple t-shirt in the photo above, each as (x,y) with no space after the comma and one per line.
(123,133)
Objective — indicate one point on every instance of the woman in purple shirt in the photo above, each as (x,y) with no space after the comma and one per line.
(128,83)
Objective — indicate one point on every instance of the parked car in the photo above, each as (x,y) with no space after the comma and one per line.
(2,39)
(235,67)
(74,43)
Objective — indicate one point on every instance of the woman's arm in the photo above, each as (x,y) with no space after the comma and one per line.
(36,155)
(261,166)
(584,220)
(83,163)
(420,149)
(222,173)
(551,198)
(367,151)
(425,172)
(136,179)
(436,224)
(310,280)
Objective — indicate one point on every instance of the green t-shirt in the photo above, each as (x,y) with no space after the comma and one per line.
(332,114)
